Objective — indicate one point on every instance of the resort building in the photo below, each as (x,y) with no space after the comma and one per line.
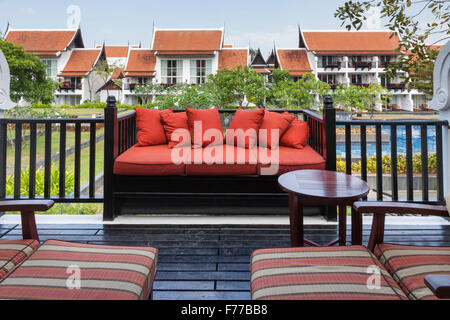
(350,58)
(180,56)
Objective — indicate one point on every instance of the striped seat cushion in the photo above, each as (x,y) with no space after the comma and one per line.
(409,265)
(13,252)
(105,273)
(327,273)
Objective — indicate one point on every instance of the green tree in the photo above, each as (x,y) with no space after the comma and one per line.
(105,71)
(311,92)
(250,86)
(421,77)
(415,21)
(146,93)
(28,75)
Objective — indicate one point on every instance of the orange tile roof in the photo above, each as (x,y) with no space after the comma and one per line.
(141,63)
(187,40)
(294,60)
(228,46)
(263,71)
(42,42)
(115,51)
(185,52)
(352,42)
(81,62)
(231,58)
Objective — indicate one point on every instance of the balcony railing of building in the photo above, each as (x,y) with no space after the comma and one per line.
(396,86)
(67,86)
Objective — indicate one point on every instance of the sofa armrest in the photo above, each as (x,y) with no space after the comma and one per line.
(27,209)
(439,285)
(379,210)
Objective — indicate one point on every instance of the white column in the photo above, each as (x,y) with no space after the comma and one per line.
(441,102)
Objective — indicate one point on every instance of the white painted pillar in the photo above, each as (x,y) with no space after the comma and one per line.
(5,80)
(441,102)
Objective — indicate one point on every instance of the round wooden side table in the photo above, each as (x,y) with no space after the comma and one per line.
(322,188)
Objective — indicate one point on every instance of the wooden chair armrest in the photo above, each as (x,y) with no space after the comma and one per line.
(439,285)
(25,205)
(27,209)
(379,207)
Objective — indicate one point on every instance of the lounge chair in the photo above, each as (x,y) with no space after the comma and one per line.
(70,271)
(379,271)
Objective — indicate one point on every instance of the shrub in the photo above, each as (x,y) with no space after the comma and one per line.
(39,184)
(387,164)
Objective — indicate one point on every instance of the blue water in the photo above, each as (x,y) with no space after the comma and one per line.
(386,146)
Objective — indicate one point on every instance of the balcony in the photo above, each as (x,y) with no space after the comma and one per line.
(362,65)
(396,86)
(68,86)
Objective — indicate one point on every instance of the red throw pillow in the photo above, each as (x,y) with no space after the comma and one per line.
(244,120)
(150,130)
(273,121)
(297,135)
(205,120)
(173,121)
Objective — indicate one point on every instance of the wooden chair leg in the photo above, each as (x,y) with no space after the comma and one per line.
(29,230)
(296,221)
(377,233)
(357,227)
(342,225)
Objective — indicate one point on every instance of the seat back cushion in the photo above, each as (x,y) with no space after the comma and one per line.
(273,121)
(243,130)
(150,129)
(14,252)
(104,273)
(326,273)
(172,122)
(409,265)
(205,127)
(297,135)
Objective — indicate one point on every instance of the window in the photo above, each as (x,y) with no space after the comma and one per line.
(172,71)
(328,78)
(52,67)
(356,79)
(72,100)
(200,69)
(328,61)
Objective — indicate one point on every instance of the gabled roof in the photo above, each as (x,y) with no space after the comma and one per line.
(350,42)
(140,63)
(271,60)
(115,51)
(258,59)
(294,60)
(45,42)
(231,58)
(187,41)
(81,62)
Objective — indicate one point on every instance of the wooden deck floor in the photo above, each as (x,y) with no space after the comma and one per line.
(212,262)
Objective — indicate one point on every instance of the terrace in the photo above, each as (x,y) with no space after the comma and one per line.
(211,260)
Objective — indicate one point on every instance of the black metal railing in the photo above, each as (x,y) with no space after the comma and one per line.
(48,126)
(386,134)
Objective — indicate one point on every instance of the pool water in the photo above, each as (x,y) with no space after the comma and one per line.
(386,146)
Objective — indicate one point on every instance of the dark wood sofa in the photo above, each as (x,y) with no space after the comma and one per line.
(143,180)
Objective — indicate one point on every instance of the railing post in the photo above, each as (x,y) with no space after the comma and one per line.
(329,117)
(111,151)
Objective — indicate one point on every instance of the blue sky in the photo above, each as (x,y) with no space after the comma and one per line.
(261,22)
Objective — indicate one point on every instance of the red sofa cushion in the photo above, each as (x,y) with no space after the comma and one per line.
(409,265)
(107,273)
(172,122)
(13,253)
(148,161)
(150,129)
(245,120)
(326,273)
(273,121)
(290,159)
(210,121)
(204,162)
(296,136)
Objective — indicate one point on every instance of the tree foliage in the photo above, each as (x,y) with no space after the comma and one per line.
(28,75)
(418,23)
(359,98)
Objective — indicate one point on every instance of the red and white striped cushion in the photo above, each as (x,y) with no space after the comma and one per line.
(410,264)
(13,252)
(106,273)
(327,273)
